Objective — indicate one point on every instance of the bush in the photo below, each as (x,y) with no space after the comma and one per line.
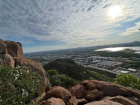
(128,80)
(52,72)
(62,80)
(17,85)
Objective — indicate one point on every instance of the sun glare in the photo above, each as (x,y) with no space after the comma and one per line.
(114,12)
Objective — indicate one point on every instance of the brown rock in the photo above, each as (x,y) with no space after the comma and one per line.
(14,48)
(79,91)
(108,88)
(48,85)
(104,88)
(135,100)
(121,99)
(82,101)
(111,89)
(53,101)
(92,95)
(3,49)
(33,67)
(72,101)
(6,60)
(58,92)
(103,102)
(100,95)
(90,85)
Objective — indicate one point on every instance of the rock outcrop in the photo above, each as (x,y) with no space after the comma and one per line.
(72,101)
(11,54)
(6,60)
(33,67)
(14,48)
(53,101)
(103,102)
(58,92)
(121,100)
(3,48)
(97,91)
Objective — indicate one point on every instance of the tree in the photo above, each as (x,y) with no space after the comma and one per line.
(17,85)
(52,72)
(128,80)
(62,80)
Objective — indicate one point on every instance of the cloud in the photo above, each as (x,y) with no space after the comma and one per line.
(70,21)
(133,31)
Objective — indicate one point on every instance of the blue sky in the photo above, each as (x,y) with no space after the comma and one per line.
(43,25)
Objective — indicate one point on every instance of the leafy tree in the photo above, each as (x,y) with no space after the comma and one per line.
(17,85)
(128,80)
(52,72)
(62,80)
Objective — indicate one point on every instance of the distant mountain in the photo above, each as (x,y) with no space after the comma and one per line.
(130,44)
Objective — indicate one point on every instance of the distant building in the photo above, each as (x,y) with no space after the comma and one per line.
(125,72)
(132,70)
(109,63)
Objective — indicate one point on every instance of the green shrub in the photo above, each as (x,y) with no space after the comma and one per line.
(62,80)
(52,72)
(128,80)
(17,85)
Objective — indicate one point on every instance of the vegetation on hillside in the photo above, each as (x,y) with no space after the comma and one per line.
(61,80)
(132,64)
(70,73)
(68,67)
(98,76)
(108,74)
(123,54)
(128,80)
(15,88)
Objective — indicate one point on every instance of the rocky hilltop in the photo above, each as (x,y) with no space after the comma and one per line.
(11,54)
(88,92)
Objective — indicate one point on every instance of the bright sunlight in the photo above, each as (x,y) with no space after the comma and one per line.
(114,12)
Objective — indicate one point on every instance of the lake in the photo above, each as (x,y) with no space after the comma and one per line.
(137,49)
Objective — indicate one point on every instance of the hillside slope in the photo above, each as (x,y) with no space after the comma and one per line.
(68,67)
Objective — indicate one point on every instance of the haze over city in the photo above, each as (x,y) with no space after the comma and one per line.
(43,25)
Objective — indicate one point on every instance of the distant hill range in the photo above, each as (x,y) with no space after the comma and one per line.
(135,43)
(130,44)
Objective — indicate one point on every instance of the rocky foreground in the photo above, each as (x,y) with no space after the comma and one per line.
(88,92)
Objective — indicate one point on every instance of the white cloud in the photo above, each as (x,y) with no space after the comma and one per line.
(70,21)
(132,31)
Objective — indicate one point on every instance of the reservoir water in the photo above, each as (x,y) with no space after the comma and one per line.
(137,49)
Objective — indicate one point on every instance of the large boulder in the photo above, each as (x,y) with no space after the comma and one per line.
(105,89)
(53,101)
(33,67)
(14,48)
(121,100)
(3,48)
(58,92)
(72,101)
(79,91)
(92,95)
(103,102)
(82,101)
(6,60)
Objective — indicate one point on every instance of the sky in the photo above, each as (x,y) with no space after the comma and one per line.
(43,25)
